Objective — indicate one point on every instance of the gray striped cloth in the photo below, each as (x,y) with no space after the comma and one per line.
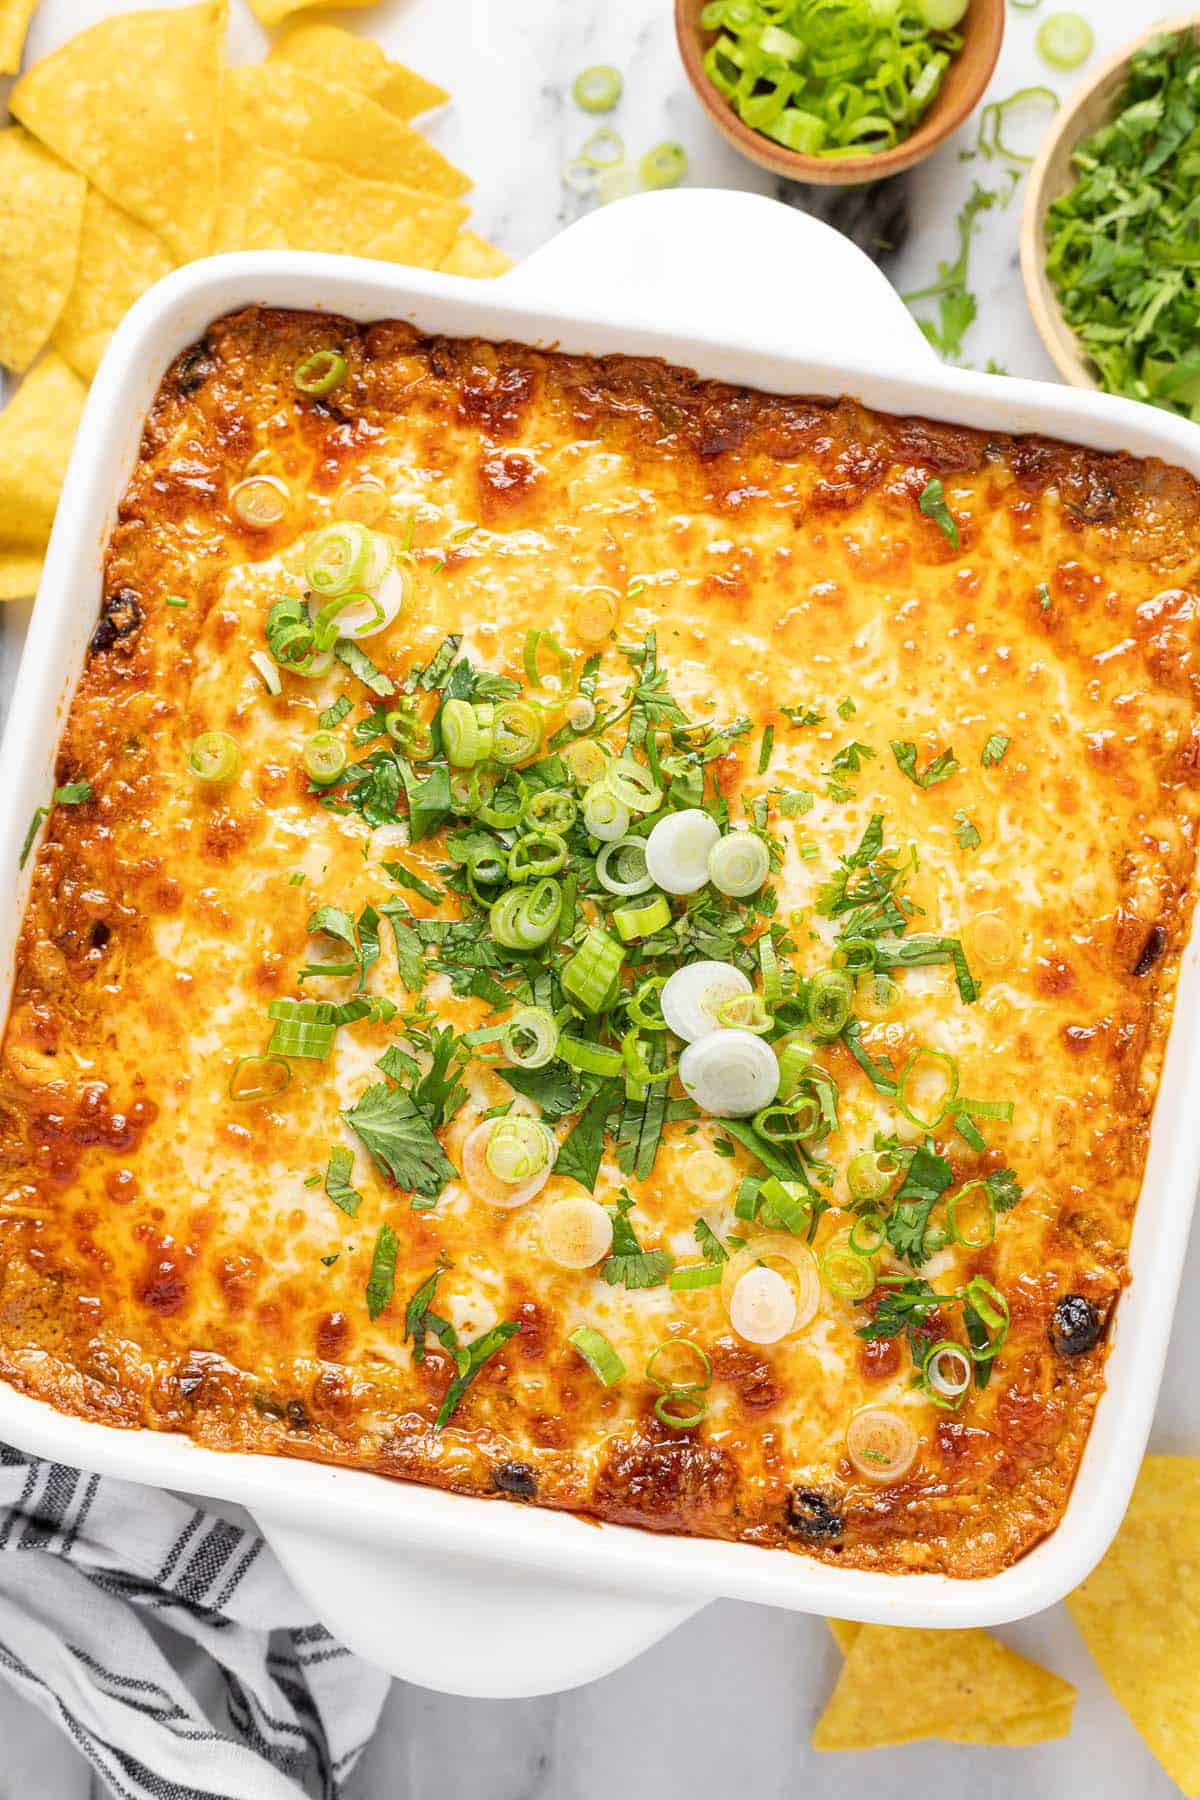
(104,1586)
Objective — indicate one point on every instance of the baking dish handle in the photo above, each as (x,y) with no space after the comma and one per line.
(731,266)
(461,1625)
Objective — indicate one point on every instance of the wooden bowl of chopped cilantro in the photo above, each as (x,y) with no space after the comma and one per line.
(1110,236)
(838,91)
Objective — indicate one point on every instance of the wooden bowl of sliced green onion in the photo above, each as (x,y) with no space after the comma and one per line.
(838,91)
(1110,253)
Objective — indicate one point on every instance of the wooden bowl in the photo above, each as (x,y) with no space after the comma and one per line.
(962,87)
(1092,103)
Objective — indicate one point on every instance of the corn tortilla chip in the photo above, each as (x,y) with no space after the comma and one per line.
(118,260)
(272,12)
(19,574)
(41,214)
(332,55)
(134,104)
(14,25)
(1139,1614)
(962,1686)
(473,255)
(287,202)
(275,104)
(37,429)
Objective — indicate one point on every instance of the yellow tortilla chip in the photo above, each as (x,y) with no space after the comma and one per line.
(844,1633)
(281,202)
(271,12)
(273,103)
(14,25)
(37,429)
(329,54)
(118,260)
(134,104)
(41,213)
(19,574)
(961,1686)
(1139,1614)
(473,255)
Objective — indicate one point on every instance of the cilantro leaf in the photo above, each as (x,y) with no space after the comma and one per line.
(803,715)
(1005,1189)
(429,803)
(714,1250)
(474,1356)
(359,663)
(993,750)
(400,1140)
(552,1088)
(926,1179)
(583,1148)
(381,1282)
(419,1320)
(967,835)
(940,769)
(629,1265)
(337,1180)
(932,503)
(406,878)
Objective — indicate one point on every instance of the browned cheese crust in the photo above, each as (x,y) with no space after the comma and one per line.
(162,1262)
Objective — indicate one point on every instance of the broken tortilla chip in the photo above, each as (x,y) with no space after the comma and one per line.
(1138,1613)
(273,12)
(14,27)
(474,256)
(19,574)
(41,215)
(961,1686)
(118,260)
(341,58)
(273,103)
(37,429)
(133,103)
(279,202)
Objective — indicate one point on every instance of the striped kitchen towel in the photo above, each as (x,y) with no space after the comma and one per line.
(111,1571)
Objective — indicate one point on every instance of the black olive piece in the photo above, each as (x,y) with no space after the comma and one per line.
(811,1515)
(195,367)
(1152,949)
(1076,1326)
(518,1479)
(120,617)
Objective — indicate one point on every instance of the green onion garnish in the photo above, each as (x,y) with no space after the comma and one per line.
(523,918)
(590,976)
(302,1028)
(270,1076)
(268,673)
(1065,40)
(695,1377)
(598,1354)
(830,995)
(516,732)
(597,90)
(214,758)
(174,600)
(320,373)
(529,1038)
(923,1066)
(324,758)
(633,922)
(695,1275)
(665,165)
(845,1272)
(589,1058)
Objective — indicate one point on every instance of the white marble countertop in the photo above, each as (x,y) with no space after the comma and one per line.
(726,1705)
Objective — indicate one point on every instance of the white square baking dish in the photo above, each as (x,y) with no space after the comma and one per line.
(496,1599)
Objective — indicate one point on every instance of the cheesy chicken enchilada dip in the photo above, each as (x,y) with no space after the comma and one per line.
(606,940)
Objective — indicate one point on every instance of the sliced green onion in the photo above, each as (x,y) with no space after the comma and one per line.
(788,1122)
(552,809)
(178,600)
(868,1234)
(587,761)
(304,1028)
(597,90)
(518,1148)
(214,758)
(846,1273)
(589,1058)
(462,739)
(529,1038)
(986,1109)
(768,962)
(324,758)
(946,1374)
(580,712)
(699,1376)
(409,731)
(795,1064)
(940,15)
(589,976)
(605,149)
(991,1307)
(535,641)
(598,1354)
(695,1275)
(516,732)
(975,1192)
(745,1012)
(642,921)
(917,1068)
(633,786)
(871,1173)
(338,559)
(505,806)
(260,501)
(738,864)
(1065,40)
(855,955)
(260,661)
(665,165)
(991,121)
(784,1206)
(830,995)
(679,1411)
(525,917)
(604,816)
(536,854)
(621,867)
(267,1086)
(320,373)
(644,1005)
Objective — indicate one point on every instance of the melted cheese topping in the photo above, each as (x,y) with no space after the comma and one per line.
(166,1255)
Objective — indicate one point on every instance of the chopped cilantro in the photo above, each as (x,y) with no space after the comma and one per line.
(629,1265)
(337,1180)
(381,1283)
(967,835)
(932,502)
(993,750)
(940,769)
(400,1140)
